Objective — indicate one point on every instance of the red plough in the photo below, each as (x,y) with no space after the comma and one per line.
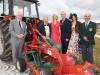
(44,53)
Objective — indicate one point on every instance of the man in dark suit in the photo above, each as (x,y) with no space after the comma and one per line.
(87,32)
(65,32)
(45,28)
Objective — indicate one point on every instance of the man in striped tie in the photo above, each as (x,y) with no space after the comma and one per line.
(87,32)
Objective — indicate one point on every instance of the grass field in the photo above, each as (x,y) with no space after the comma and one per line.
(96,53)
(98,31)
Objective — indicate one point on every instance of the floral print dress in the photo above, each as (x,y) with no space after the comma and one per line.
(73,43)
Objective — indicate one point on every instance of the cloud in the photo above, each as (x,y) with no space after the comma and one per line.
(80,7)
(48,8)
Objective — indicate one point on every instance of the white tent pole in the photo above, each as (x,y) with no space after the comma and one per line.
(29,11)
(23,11)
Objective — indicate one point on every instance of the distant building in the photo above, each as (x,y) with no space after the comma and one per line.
(98,25)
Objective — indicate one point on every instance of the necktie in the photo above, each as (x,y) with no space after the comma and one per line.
(19,24)
(62,21)
(86,25)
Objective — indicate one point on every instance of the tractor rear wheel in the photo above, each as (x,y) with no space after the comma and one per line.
(5,47)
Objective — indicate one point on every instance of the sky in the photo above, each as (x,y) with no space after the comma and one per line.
(80,7)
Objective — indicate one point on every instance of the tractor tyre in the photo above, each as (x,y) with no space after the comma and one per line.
(5,47)
(45,71)
(21,65)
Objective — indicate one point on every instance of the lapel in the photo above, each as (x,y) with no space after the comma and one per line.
(17,23)
(22,24)
(43,26)
(48,26)
(84,26)
(63,22)
(89,24)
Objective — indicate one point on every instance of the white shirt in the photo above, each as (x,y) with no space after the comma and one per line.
(47,31)
(63,19)
(87,23)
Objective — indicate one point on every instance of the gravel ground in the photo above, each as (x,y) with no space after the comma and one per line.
(8,69)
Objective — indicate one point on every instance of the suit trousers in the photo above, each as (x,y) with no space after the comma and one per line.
(87,53)
(16,51)
(64,46)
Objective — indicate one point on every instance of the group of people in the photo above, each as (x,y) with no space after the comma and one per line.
(68,32)
(65,32)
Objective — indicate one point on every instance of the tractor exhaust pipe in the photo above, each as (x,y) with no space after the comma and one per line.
(11,12)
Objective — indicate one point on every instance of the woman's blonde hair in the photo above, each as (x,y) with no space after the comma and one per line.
(53,17)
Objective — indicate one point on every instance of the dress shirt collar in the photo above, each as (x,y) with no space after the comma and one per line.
(63,19)
(45,24)
(18,20)
(87,22)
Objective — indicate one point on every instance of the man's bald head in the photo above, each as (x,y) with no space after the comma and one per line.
(88,14)
(19,15)
(87,17)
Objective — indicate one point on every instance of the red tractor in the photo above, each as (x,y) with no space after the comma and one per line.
(39,54)
(5,48)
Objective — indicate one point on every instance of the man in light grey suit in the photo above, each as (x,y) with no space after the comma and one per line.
(18,32)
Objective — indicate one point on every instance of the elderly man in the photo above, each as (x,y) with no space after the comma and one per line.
(65,32)
(87,32)
(45,28)
(18,32)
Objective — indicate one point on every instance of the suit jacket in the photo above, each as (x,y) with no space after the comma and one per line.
(66,29)
(89,32)
(14,29)
(41,28)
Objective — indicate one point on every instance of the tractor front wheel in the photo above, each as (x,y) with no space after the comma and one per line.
(21,65)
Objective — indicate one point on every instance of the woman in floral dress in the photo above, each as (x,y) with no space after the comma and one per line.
(73,43)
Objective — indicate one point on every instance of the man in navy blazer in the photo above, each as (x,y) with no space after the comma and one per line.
(45,28)
(65,32)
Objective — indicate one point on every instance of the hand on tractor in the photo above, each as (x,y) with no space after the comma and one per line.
(67,40)
(85,38)
(20,36)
